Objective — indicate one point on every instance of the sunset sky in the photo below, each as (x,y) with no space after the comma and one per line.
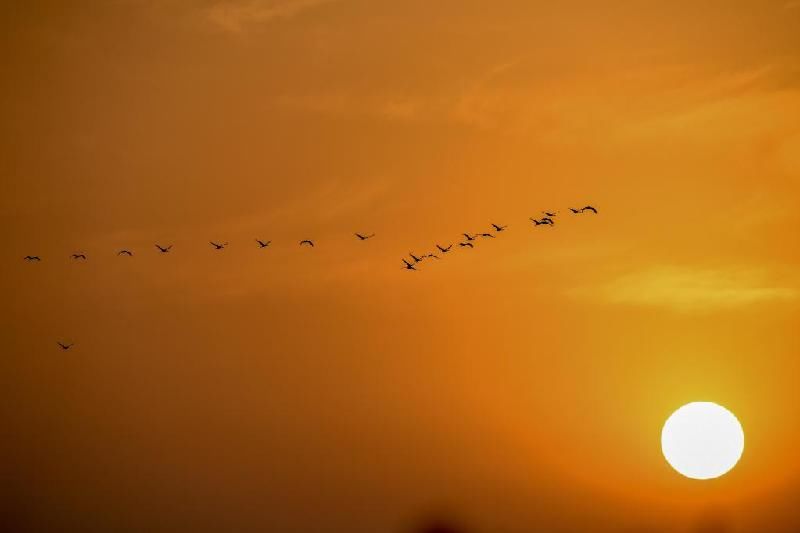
(517,387)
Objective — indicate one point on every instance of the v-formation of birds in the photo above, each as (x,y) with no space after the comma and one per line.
(546,220)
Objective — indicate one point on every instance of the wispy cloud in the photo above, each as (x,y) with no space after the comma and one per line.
(687,289)
(235,16)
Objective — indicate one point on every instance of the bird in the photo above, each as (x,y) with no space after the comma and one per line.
(543,222)
(432,256)
(486,235)
(549,214)
(469,238)
(576,211)
(589,208)
(262,244)
(162,249)
(364,237)
(32,258)
(306,241)
(125,252)
(78,256)
(218,246)
(498,228)
(408,266)
(415,258)
(65,346)
(444,250)
(466,244)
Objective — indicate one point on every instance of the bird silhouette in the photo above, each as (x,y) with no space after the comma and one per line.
(125,252)
(32,258)
(415,258)
(486,235)
(468,236)
(576,211)
(543,222)
(79,256)
(444,250)
(65,346)
(364,237)
(218,246)
(164,250)
(408,266)
(306,241)
(466,244)
(498,228)
(432,256)
(262,244)
(589,208)
(548,213)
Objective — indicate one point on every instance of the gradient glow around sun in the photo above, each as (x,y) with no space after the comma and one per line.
(702,440)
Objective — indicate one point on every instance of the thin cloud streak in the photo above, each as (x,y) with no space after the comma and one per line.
(237,16)
(690,290)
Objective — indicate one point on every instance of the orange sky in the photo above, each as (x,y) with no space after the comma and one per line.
(517,387)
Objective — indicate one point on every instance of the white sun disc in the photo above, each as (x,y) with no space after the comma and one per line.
(702,440)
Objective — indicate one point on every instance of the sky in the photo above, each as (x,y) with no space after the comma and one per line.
(520,386)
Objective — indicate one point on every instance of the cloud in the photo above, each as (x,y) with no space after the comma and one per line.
(235,16)
(688,289)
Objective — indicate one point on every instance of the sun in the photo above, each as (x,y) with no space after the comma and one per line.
(702,440)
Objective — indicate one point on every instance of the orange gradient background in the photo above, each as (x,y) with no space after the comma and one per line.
(520,386)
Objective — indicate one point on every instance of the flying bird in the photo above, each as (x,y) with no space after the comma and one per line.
(576,211)
(589,208)
(218,246)
(78,256)
(498,228)
(543,222)
(468,236)
(444,250)
(125,252)
(306,241)
(432,256)
(164,250)
(549,214)
(65,346)
(408,266)
(486,235)
(262,244)
(415,258)
(364,237)
(32,258)
(466,244)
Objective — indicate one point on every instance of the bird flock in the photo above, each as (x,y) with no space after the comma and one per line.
(468,242)
(469,239)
